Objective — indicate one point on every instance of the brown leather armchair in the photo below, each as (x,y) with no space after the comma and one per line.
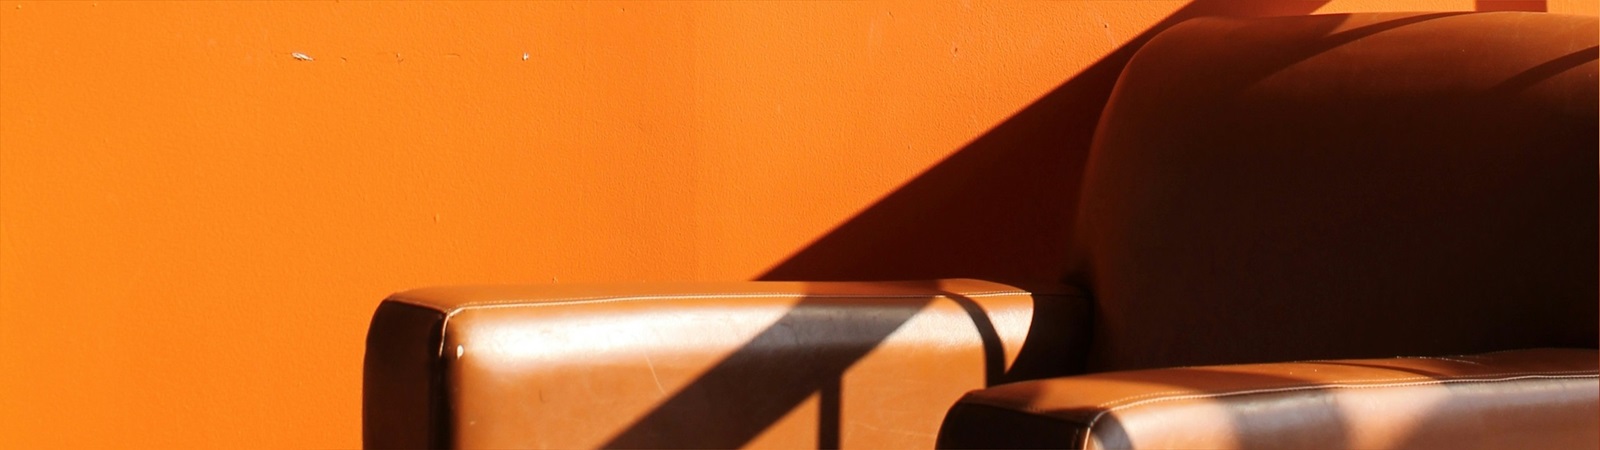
(1401,204)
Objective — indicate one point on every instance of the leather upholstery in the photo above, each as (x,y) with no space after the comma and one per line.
(872,365)
(1334,186)
(1543,398)
(1346,186)
(1260,190)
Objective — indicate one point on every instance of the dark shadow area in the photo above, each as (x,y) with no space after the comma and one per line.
(1003,206)
(828,421)
(1341,198)
(402,389)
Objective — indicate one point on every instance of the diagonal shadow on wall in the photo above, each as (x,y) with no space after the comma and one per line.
(1000,208)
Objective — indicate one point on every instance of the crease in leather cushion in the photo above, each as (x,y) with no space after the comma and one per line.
(1535,398)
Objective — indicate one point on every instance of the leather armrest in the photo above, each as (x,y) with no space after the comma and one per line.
(702,365)
(1540,398)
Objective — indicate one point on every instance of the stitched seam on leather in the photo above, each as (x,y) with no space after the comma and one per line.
(1509,350)
(1442,358)
(1514,376)
(585,301)
(415,302)
(444,326)
(623,298)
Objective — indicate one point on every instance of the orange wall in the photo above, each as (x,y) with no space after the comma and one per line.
(195,225)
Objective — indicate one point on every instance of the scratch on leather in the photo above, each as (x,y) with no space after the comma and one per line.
(653,376)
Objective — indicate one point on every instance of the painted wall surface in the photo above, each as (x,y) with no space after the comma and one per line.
(201,204)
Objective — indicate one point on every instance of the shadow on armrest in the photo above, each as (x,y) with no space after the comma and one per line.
(1536,398)
(703,365)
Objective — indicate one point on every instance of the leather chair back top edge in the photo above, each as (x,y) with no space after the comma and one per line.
(1344,186)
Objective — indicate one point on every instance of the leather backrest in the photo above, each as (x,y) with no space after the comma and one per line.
(1344,186)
